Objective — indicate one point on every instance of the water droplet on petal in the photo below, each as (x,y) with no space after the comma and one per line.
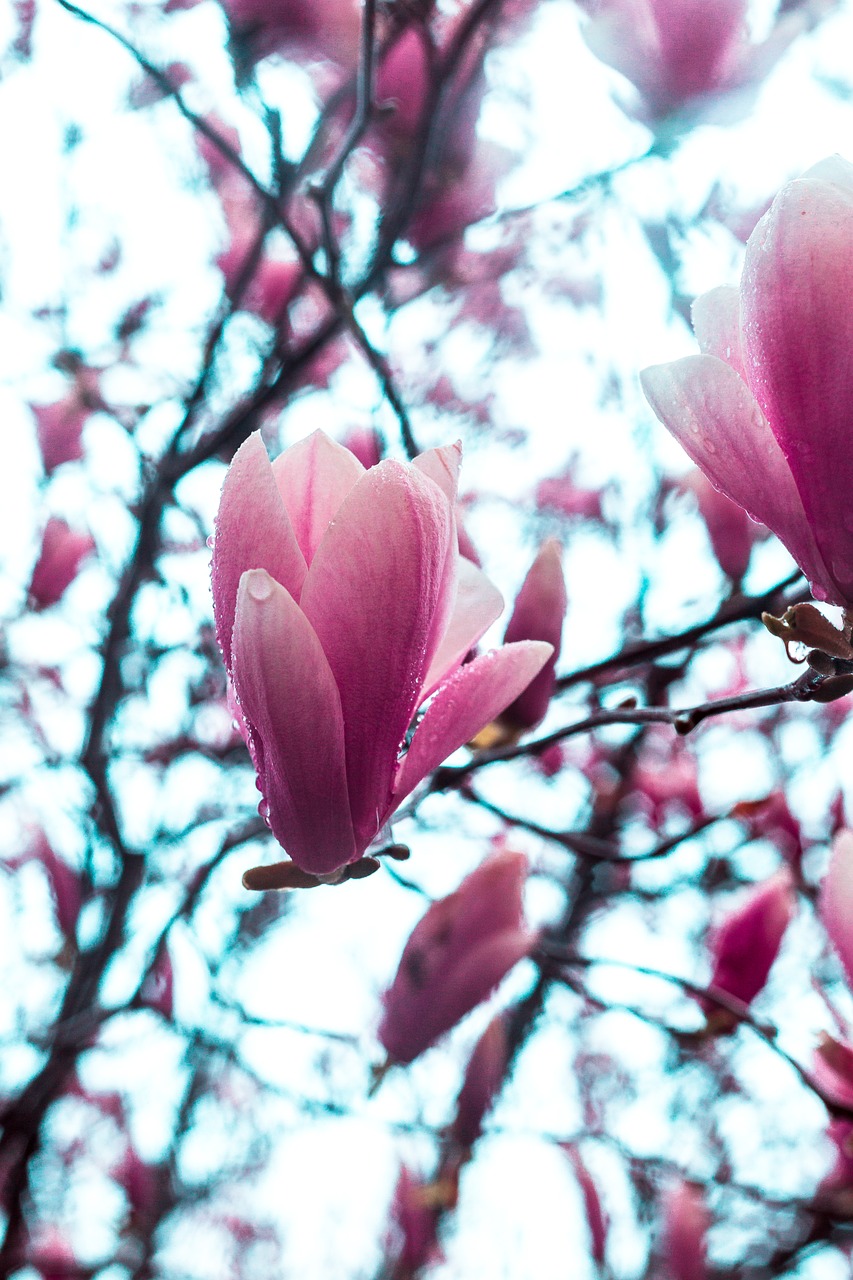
(209,541)
(264,811)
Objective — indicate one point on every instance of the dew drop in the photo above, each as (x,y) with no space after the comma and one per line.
(264,811)
(209,541)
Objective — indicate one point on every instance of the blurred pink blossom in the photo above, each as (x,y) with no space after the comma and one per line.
(836,900)
(456,956)
(539,613)
(62,552)
(746,942)
(484,1076)
(685,1224)
(730,529)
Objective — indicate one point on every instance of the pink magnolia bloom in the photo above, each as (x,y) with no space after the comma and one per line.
(341,604)
(456,956)
(62,551)
(679,51)
(765,409)
(484,1076)
(747,941)
(836,900)
(540,609)
(685,1225)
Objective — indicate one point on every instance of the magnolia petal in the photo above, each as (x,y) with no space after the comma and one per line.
(442,466)
(253,531)
(470,699)
(834,169)
(371,595)
(716,323)
(290,702)
(314,477)
(836,900)
(798,340)
(715,418)
(478,603)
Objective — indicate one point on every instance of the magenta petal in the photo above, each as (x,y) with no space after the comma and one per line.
(836,901)
(290,703)
(714,416)
(478,603)
(371,595)
(716,323)
(798,337)
(313,477)
(252,532)
(468,701)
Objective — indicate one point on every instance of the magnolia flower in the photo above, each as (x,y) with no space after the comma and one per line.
(540,609)
(680,52)
(484,1076)
(765,409)
(456,956)
(746,942)
(341,604)
(62,551)
(730,529)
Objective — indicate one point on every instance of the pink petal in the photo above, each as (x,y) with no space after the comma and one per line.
(371,595)
(253,531)
(798,338)
(540,608)
(291,705)
(714,417)
(836,900)
(442,467)
(468,701)
(478,603)
(314,477)
(716,323)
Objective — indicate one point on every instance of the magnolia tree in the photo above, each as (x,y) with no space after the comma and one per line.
(426,451)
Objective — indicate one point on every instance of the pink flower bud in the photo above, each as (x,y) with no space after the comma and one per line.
(685,1225)
(62,551)
(413,1226)
(341,604)
(730,529)
(747,941)
(540,609)
(764,411)
(836,900)
(456,956)
(484,1076)
(59,428)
